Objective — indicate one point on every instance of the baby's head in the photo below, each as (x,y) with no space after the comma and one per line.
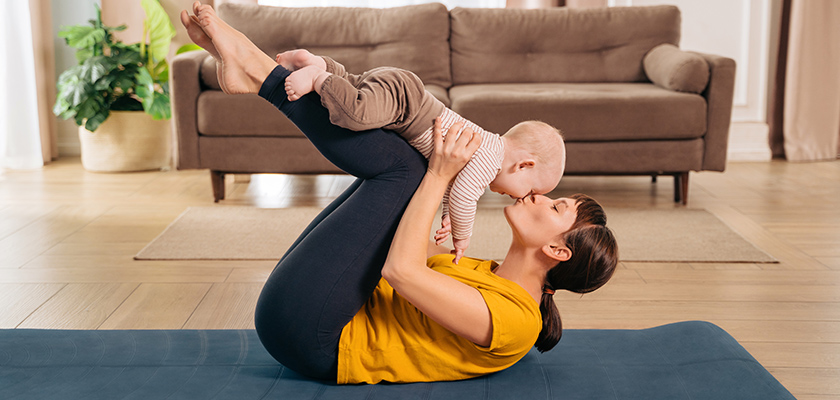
(535,158)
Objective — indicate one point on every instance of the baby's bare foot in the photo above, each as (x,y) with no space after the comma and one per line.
(197,34)
(294,60)
(243,66)
(303,81)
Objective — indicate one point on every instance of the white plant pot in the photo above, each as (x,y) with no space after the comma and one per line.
(127,141)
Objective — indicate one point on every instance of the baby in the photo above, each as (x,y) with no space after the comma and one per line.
(528,159)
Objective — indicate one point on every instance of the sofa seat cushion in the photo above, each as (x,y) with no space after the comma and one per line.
(220,114)
(241,115)
(585,112)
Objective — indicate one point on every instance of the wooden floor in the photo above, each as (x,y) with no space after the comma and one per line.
(67,238)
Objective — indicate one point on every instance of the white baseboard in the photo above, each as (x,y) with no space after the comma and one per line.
(748,141)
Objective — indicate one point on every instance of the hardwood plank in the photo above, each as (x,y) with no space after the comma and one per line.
(254,275)
(764,240)
(157,306)
(656,265)
(665,291)
(109,274)
(16,217)
(227,306)
(18,301)
(809,381)
(39,236)
(95,249)
(795,355)
(128,261)
(80,306)
(747,277)
(583,308)
(830,262)
(725,266)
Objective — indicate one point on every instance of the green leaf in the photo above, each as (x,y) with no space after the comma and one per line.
(159,108)
(82,37)
(145,88)
(97,119)
(96,67)
(126,54)
(83,54)
(92,108)
(72,88)
(188,47)
(160,30)
(161,72)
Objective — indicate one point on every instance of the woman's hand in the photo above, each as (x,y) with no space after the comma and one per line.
(453,152)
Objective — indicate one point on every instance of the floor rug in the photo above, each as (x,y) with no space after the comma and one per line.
(686,360)
(248,233)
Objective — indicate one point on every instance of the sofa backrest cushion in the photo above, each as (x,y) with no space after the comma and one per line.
(557,44)
(411,37)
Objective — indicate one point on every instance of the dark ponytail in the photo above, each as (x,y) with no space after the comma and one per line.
(552,327)
(593,262)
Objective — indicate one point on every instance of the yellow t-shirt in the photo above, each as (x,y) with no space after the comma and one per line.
(390,340)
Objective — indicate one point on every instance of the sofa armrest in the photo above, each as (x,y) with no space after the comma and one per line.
(185,89)
(719,96)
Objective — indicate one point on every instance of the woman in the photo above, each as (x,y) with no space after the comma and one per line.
(325,310)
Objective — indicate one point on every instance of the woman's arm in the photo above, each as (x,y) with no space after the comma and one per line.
(454,305)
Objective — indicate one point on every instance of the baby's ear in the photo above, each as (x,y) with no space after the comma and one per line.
(527,163)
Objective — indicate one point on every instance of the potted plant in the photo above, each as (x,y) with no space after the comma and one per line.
(119,93)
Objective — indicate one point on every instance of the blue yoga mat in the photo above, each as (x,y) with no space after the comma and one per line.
(685,360)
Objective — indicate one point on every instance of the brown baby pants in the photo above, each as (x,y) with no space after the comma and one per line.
(384,97)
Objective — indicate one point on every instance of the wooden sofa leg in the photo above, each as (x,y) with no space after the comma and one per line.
(217,179)
(681,188)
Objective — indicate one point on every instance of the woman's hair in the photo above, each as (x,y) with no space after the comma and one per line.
(593,261)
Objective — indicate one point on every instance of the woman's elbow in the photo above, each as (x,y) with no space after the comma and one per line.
(396,273)
(390,272)
(387,271)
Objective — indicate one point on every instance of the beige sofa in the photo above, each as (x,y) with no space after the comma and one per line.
(627,99)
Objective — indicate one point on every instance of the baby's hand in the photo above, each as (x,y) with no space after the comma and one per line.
(460,246)
(443,233)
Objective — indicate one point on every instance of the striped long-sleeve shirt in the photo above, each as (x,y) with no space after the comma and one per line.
(459,201)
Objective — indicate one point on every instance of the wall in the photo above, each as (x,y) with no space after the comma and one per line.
(66,13)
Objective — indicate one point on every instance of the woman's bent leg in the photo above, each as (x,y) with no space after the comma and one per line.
(331,270)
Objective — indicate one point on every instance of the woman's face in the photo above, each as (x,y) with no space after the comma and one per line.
(536,220)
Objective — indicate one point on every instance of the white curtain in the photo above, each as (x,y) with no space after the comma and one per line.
(382,3)
(20,137)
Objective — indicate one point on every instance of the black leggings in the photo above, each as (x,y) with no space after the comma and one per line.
(330,271)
